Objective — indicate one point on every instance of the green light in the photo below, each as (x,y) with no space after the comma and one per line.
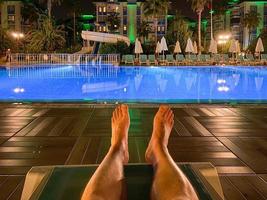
(88,17)
(132,23)
(87,26)
(170,17)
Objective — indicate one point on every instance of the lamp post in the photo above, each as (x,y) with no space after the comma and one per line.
(17,36)
(211,20)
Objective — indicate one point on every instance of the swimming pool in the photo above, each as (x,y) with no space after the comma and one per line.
(84,83)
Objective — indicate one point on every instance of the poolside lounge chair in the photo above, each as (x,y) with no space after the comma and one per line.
(43,182)
(123,59)
(152,60)
(129,59)
(250,60)
(225,59)
(161,60)
(240,59)
(143,59)
(216,58)
(263,58)
(191,58)
(204,59)
(180,59)
(170,59)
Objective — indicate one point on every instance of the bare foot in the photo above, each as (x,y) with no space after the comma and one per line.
(120,123)
(163,124)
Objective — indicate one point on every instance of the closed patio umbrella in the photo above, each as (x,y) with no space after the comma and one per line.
(189,46)
(158,48)
(233,47)
(138,47)
(163,45)
(259,47)
(177,48)
(213,47)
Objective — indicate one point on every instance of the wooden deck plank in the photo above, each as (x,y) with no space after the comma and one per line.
(43,136)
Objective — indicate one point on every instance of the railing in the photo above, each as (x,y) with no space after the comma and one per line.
(72,71)
(63,59)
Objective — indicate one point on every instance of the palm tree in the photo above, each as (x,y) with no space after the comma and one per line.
(74,8)
(178,30)
(251,21)
(155,9)
(47,37)
(50,4)
(143,30)
(113,22)
(198,7)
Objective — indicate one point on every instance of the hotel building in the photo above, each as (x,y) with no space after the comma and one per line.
(10,15)
(130,15)
(231,22)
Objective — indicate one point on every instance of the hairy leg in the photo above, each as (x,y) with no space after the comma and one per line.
(107,182)
(169,181)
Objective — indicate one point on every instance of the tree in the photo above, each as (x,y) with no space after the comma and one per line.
(143,31)
(48,37)
(251,21)
(50,5)
(113,22)
(198,7)
(74,7)
(5,40)
(155,9)
(178,30)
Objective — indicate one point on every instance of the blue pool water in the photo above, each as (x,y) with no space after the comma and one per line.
(134,84)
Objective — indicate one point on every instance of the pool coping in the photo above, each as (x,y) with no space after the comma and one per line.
(131,105)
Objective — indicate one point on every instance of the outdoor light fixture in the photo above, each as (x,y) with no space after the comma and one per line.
(17,35)
(223,38)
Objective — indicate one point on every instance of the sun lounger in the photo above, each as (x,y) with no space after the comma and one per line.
(216,58)
(204,59)
(263,58)
(129,59)
(240,59)
(225,59)
(123,59)
(161,60)
(169,59)
(69,182)
(143,59)
(152,60)
(180,59)
(191,58)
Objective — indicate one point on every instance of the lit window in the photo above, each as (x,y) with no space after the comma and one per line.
(117,8)
(104,29)
(162,28)
(100,28)
(125,28)
(158,28)
(104,9)
(100,9)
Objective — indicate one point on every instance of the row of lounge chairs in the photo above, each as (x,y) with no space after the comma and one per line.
(203,59)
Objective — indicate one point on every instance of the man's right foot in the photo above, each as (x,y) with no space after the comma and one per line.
(163,124)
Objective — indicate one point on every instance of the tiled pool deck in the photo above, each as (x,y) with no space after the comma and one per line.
(234,139)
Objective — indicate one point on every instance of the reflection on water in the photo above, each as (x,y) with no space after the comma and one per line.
(135,84)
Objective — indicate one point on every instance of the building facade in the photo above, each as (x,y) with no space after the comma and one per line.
(130,15)
(10,16)
(231,22)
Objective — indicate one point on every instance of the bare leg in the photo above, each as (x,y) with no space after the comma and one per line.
(107,182)
(169,181)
